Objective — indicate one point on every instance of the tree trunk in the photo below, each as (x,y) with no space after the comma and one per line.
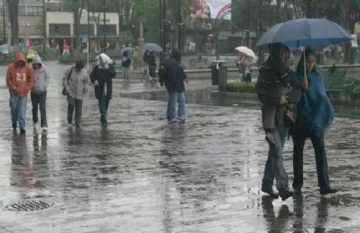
(308,9)
(295,9)
(78,6)
(13,6)
(345,23)
(278,7)
(286,7)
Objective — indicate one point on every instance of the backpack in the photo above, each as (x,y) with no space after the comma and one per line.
(126,63)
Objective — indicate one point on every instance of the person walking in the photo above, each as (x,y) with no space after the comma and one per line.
(75,83)
(173,76)
(101,77)
(152,66)
(126,63)
(315,114)
(39,92)
(19,80)
(277,64)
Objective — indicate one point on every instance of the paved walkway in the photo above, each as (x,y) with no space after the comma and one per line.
(144,175)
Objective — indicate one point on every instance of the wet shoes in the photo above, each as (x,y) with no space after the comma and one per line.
(270,138)
(270,192)
(328,190)
(14,126)
(286,194)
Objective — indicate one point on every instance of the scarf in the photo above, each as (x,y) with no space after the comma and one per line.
(314,111)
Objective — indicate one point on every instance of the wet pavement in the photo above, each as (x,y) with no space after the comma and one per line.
(145,175)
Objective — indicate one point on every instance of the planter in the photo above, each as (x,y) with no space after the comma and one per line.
(253,96)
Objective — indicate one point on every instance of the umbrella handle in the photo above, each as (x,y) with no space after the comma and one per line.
(305,81)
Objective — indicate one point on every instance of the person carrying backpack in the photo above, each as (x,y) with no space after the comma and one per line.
(126,63)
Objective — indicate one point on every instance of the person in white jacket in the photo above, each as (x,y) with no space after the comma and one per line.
(39,92)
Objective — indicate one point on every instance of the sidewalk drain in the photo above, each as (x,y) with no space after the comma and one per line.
(28,206)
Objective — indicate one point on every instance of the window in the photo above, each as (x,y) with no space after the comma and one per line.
(22,10)
(86,29)
(1,10)
(34,10)
(109,30)
(59,29)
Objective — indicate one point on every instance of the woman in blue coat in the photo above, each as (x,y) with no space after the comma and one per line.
(314,116)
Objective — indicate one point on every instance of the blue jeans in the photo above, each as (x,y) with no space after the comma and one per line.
(274,167)
(174,99)
(18,109)
(103,108)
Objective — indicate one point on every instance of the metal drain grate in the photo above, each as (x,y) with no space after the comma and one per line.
(28,206)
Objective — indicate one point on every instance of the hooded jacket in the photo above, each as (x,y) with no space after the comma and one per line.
(19,80)
(104,78)
(41,76)
(76,82)
(175,81)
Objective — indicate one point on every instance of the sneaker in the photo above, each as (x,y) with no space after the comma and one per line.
(44,128)
(22,130)
(270,138)
(14,126)
(35,123)
(328,190)
(104,125)
(286,194)
(270,192)
(181,119)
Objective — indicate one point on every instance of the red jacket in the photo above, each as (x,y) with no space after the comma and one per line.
(19,80)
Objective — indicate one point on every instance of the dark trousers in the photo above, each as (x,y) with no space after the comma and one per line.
(39,100)
(320,157)
(103,108)
(74,104)
(246,77)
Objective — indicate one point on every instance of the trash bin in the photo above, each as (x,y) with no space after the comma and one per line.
(218,71)
(320,58)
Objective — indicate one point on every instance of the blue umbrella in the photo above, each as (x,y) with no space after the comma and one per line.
(153,48)
(305,32)
(127,49)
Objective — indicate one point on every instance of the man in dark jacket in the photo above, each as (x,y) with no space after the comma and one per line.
(101,77)
(173,76)
(278,65)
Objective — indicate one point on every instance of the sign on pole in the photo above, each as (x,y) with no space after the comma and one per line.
(84,38)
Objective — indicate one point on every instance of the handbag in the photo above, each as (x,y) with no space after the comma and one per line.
(64,92)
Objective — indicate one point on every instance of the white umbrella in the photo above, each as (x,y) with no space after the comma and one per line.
(104,57)
(246,51)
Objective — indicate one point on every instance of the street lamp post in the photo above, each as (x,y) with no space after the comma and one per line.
(4,23)
(44,27)
(104,30)
(27,40)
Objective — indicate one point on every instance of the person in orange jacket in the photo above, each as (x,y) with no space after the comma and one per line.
(19,80)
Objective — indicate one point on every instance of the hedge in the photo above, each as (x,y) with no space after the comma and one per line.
(244,87)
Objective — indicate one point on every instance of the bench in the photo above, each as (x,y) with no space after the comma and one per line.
(336,85)
(117,67)
(338,73)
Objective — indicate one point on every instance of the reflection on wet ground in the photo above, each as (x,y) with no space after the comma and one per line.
(145,175)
